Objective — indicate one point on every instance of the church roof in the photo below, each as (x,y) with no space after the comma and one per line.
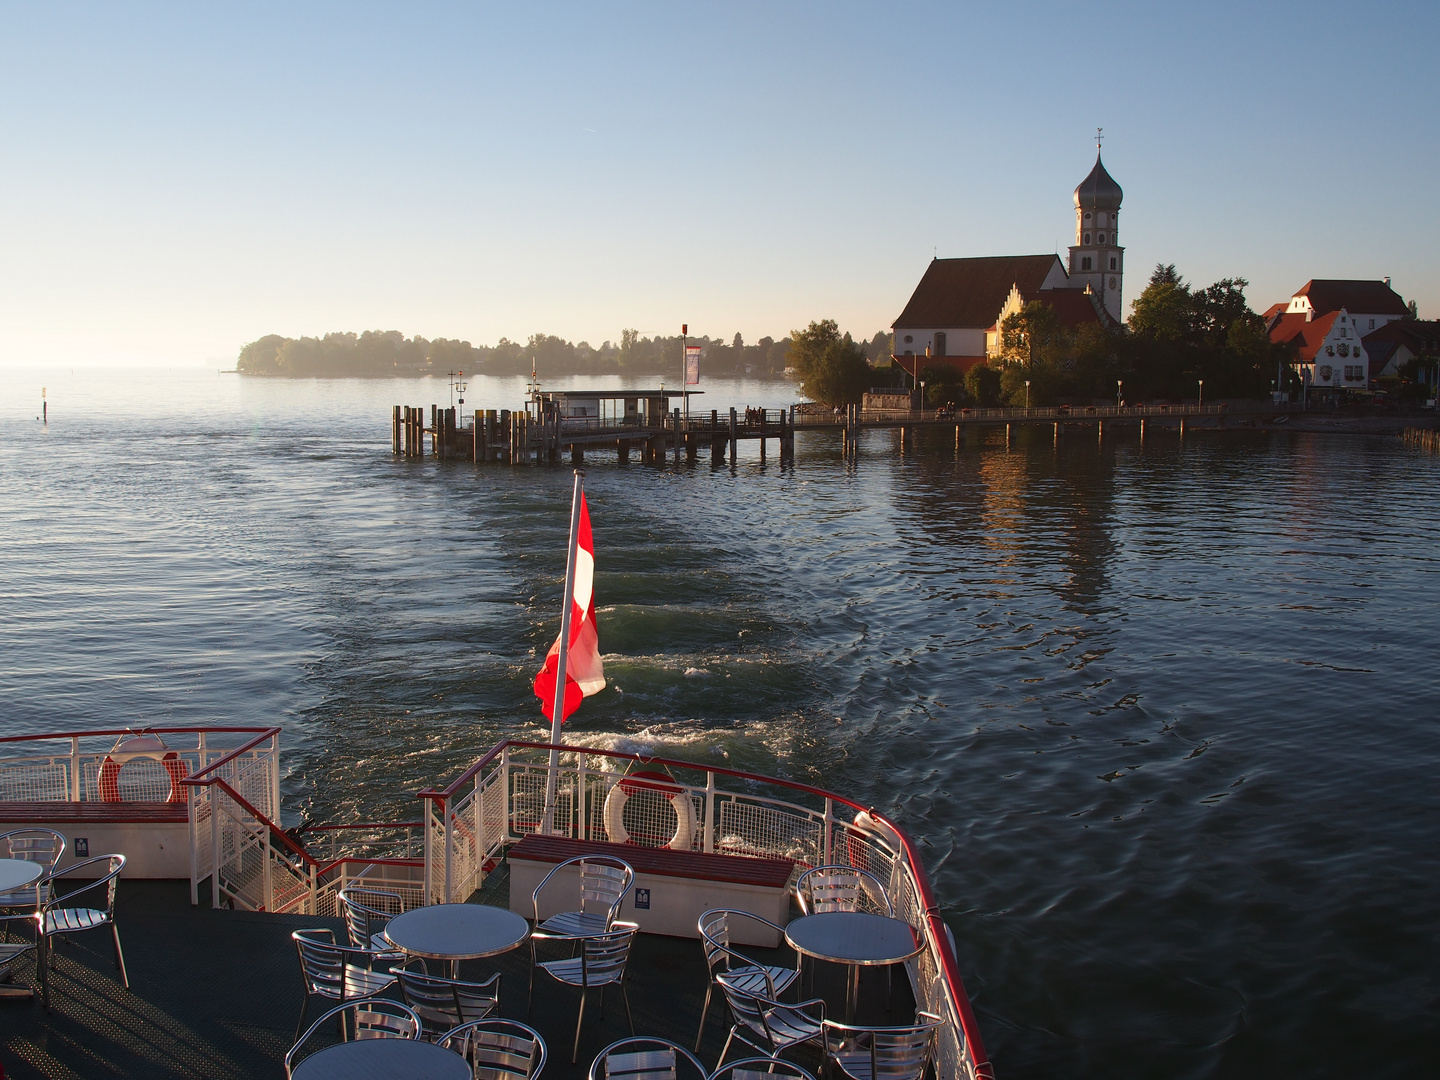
(1073,306)
(1098,191)
(971,292)
(1367,297)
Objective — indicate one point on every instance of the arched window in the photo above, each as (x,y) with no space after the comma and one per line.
(1087,238)
(1102,238)
(1112,262)
(940,343)
(1085,263)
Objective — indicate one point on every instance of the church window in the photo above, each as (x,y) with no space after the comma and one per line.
(1087,238)
(1085,263)
(1112,262)
(909,338)
(1102,238)
(1087,217)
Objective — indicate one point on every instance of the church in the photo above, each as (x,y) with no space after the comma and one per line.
(955,313)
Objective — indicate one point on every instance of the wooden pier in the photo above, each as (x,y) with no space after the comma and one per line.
(513,437)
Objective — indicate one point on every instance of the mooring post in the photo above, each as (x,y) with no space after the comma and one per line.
(734,435)
(1142,432)
(1007,436)
(1057,432)
(475,440)
(395,431)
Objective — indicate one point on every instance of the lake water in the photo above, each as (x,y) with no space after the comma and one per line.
(1165,718)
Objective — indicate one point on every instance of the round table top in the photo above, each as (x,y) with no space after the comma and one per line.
(383,1059)
(853,937)
(17,873)
(456,931)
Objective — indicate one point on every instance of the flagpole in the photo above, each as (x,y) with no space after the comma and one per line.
(557,716)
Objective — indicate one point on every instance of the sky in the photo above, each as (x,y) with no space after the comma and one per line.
(176,181)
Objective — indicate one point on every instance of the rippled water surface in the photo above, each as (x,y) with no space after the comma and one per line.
(1164,717)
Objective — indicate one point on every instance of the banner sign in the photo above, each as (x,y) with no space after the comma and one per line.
(692,365)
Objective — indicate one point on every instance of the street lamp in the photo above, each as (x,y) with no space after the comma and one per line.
(1119,388)
(1202,393)
(1027,395)
(922,397)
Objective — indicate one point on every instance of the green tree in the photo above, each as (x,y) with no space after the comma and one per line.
(831,368)
(982,384)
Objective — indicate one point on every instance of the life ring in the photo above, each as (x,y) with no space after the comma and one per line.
(864,831)
(151,749)
(650,781)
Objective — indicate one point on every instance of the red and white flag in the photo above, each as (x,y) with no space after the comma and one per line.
(584,673)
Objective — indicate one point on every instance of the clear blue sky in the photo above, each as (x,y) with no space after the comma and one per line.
(178,181)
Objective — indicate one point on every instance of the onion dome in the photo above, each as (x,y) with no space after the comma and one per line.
(1098,191)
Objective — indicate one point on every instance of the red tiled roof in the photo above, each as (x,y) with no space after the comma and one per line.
(971,292)
(1362,297)
(1311,334)
(1073,306)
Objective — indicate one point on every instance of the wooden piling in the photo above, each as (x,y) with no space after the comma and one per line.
(734,435)
(395,431)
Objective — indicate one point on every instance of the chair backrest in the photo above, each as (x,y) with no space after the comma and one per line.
(367,911)
(498,1049)
(896,1053)
(748,1010)
(43,846)
(644,1058)
(841,888)
(761,1068)
(714,926)
(604,881)
(452,1001)
(109,878)
(322,961)
(604,955)
(372,1018)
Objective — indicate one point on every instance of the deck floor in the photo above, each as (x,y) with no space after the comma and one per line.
(216,994)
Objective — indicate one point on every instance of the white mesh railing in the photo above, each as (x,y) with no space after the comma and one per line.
(504,796)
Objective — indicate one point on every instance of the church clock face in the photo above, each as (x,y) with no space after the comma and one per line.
(1112,283)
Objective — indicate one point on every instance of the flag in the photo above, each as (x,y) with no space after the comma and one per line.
(584,673)
(692,365)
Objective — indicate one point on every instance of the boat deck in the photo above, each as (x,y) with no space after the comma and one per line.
(216,994)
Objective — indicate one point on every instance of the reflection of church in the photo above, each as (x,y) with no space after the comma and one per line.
(955,313)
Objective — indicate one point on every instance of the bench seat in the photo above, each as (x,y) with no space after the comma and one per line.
(154,837)
(672,888)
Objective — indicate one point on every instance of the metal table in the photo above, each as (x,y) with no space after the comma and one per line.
(17,873)
(855,938)
(383,1059)
(456,932)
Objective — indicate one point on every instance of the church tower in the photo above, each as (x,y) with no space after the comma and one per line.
(1097,259)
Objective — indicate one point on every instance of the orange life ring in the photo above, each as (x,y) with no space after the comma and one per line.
(108,782)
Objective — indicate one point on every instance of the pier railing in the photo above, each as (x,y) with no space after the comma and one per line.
(503,796)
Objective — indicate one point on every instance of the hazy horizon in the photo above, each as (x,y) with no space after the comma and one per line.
(182,181)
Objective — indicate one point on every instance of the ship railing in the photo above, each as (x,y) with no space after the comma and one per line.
(509,793)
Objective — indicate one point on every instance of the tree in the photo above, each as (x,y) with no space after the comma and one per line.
(1033,348)
(831,368)
(982,383)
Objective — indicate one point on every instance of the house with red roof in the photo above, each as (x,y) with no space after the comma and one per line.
(954,314)
(1329,354)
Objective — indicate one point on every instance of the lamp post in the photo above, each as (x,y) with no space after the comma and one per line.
(1027,395)
(1119,391)
(1202,393)
(922,398)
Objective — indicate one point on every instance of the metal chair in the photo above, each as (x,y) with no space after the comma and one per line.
(770,1026)
(643,1058)
(55,919)
(445,1004)
(328,971)
(601,963)
(885,1053)
(736,968)
(367,911)
(43,846)
(498,1049)
(761,1068)
(379,1018)
(840,887)
(9,952)
(604,881)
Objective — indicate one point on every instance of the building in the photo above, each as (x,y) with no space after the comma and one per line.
(1328,320)
(1394,345)
(955,312)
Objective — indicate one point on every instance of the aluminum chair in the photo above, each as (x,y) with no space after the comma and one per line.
(840,887)
(43,846)
(644,1058)
(55,918)
(601,963)
(761,1068)
(770,1026)
(329,972)
(367,911)
(736,968)
(604,881)
(884,1053)
(378,1018)
(498,1049)
(445,1004)
(11,951)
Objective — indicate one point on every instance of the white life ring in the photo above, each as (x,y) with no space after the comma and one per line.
(650,781)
